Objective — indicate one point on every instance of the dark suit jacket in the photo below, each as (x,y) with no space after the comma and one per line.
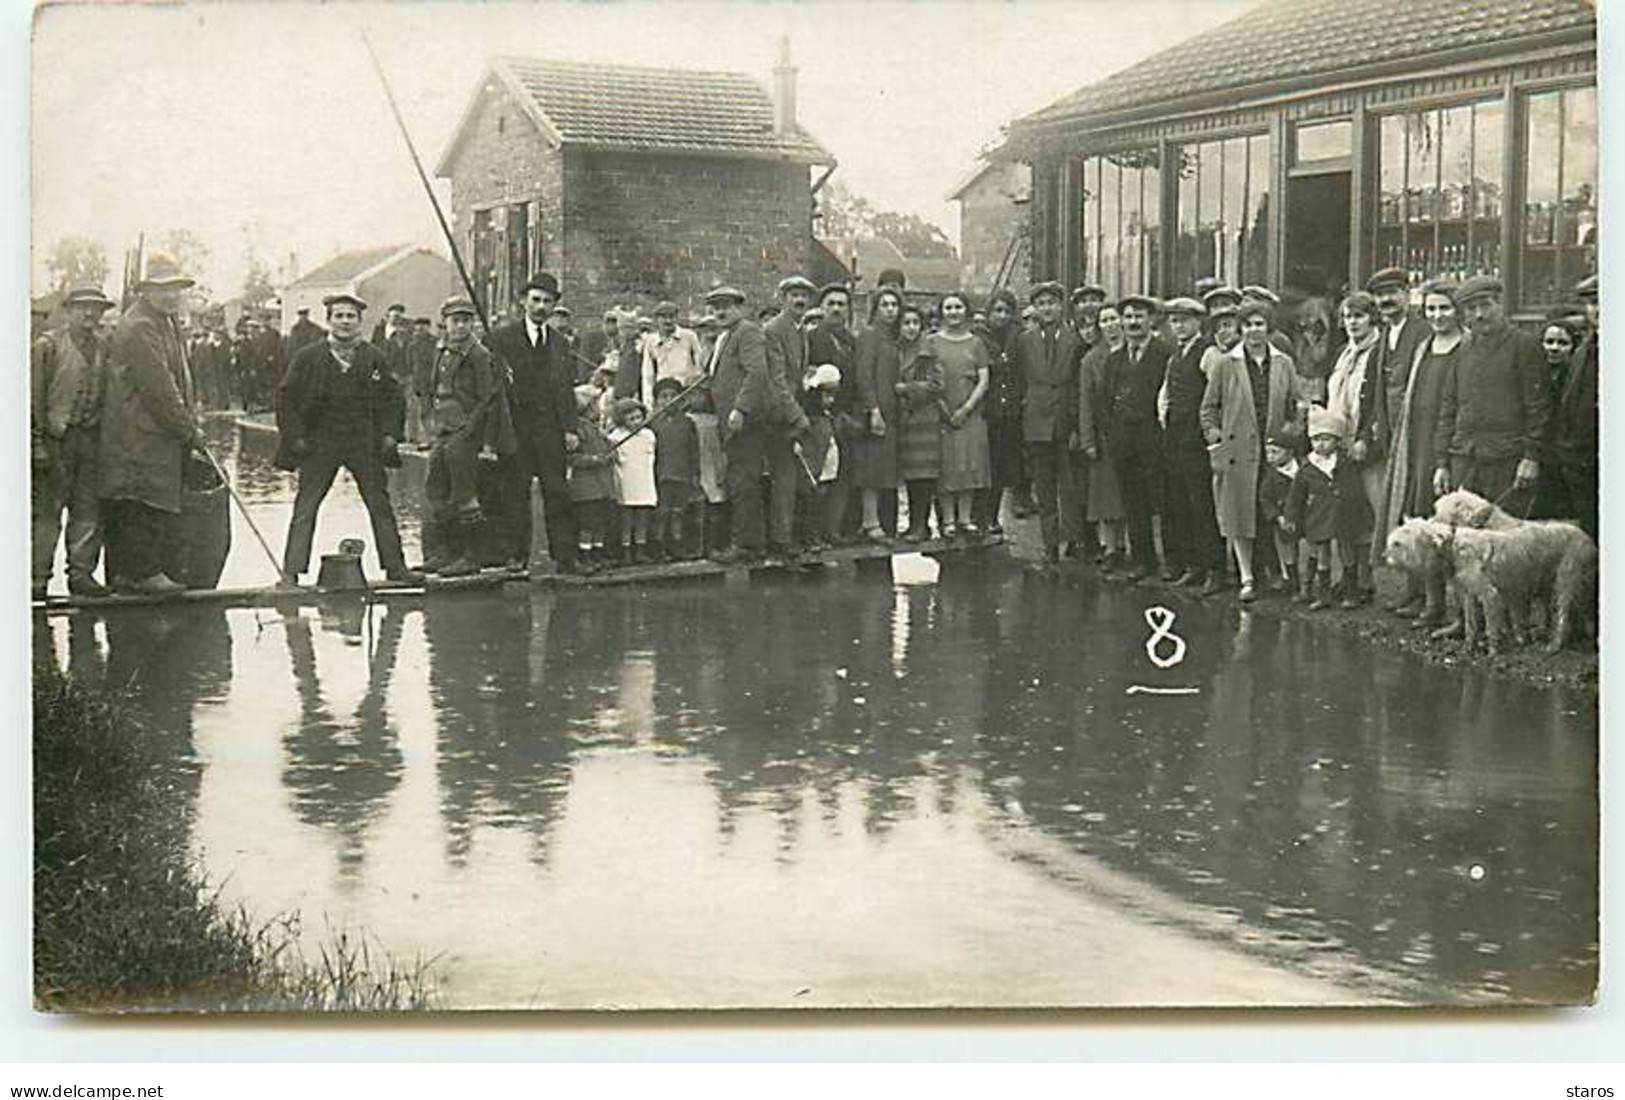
(739,380)
(1130,390)
(311,418)
(786,364)
(540,398)
(1496,404)
(1046,368)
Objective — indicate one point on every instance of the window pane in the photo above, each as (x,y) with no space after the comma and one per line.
(1209,158)
(1455,190)
(1389,245)
(1151,213)
(1489,138)
(1327,140)
(1255,262)
(1132,225)
(1186,271)
(1580,183)
(1109,228)
(1235,206)
(1544,136)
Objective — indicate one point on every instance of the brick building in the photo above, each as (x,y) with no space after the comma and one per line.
(631,184)
(993,230)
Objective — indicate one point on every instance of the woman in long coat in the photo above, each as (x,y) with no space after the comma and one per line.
(1237,418)
(1105,496)
(877,368)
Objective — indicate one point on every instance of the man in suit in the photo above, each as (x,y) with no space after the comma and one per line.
(341,408)
(1402,332)
(742,398)
(1190,530)
(832,342)
(1129,428)
(304,333)
(1575,418)
(544,418)
(786,365)
(1046,361)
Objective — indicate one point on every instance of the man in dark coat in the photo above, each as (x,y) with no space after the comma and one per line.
(1128,425)
(1495,410)
(149,424)
(1402,332)
(1574,435)
(304,333)
(1190,531)
(786,366)
(742,398)
(544,419)
(341,408)
(832,342)
(67,376)
(1046,360)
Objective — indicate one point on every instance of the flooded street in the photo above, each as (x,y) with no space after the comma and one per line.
(843,789)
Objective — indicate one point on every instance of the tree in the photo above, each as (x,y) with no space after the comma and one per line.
(76,261)
(257,284)
(841,213)
(187,248)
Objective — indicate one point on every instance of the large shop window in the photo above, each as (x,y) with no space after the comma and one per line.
(1224,211)
(1122,219)
(1560,194)
(1439,207)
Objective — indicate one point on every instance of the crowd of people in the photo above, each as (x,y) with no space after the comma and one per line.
(1173,437)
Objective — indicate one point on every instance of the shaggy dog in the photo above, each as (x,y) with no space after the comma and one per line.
(1420,548)
(1513,566)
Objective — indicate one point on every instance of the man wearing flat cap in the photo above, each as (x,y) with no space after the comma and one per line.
(1574,435)
(66,378)
(1495,410)
(1402,333)
(786,367)
(742,398)
(1046,360)
(1125,422)
(671,351)
(342,409)
(148,427)
(1190,529)
(535,362)
(832,343)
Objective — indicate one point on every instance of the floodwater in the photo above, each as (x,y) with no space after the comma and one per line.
(934,788)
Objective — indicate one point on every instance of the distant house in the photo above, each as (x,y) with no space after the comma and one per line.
(1309,143)
(631,184)
(993,230)
(925,279)
(416,277)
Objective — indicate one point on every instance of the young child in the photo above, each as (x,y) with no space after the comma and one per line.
(1281,466)
(591,482)
(1327,504)
(919,389)
(677,474)
(634,446)
(821,453)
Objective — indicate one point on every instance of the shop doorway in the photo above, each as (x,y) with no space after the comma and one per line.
(1317,235)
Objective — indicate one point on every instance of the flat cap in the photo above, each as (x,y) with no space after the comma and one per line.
(1186,307)
(1260,293)
(1221,295)
(833,288)
(1207,283)
(663,309)
(457,303)
(562,311)
(1144,301)
(1050,287)
(724,293)
(1387,277)
(796,282)
(825,376)
(1586,289)
(892,277)
(356,300)
(1089,292)
(393,306)
(1478,286)
(87,296)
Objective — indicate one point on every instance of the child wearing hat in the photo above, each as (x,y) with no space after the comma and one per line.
(677,474)
(1275,485)
(591,483)
(1327,506)
(633,445)
(821,454)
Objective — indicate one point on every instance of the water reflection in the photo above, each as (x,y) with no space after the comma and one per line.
(934,793)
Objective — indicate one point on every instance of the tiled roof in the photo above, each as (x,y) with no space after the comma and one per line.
(658,110)
(1297,41)
(346,266)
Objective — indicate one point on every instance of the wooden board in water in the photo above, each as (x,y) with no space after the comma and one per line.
(269,595)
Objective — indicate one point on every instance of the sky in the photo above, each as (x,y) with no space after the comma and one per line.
(262,128)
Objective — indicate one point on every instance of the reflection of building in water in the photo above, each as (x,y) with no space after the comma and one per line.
(339,774)
(505,721)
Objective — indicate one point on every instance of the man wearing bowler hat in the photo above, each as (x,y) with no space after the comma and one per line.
(742,398)
(148,426)
(65,389)
(542,401)
(1495,410)
(342,409)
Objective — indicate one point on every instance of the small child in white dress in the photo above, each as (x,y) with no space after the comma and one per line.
(634,447)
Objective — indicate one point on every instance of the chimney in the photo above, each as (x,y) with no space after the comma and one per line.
(784,90)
